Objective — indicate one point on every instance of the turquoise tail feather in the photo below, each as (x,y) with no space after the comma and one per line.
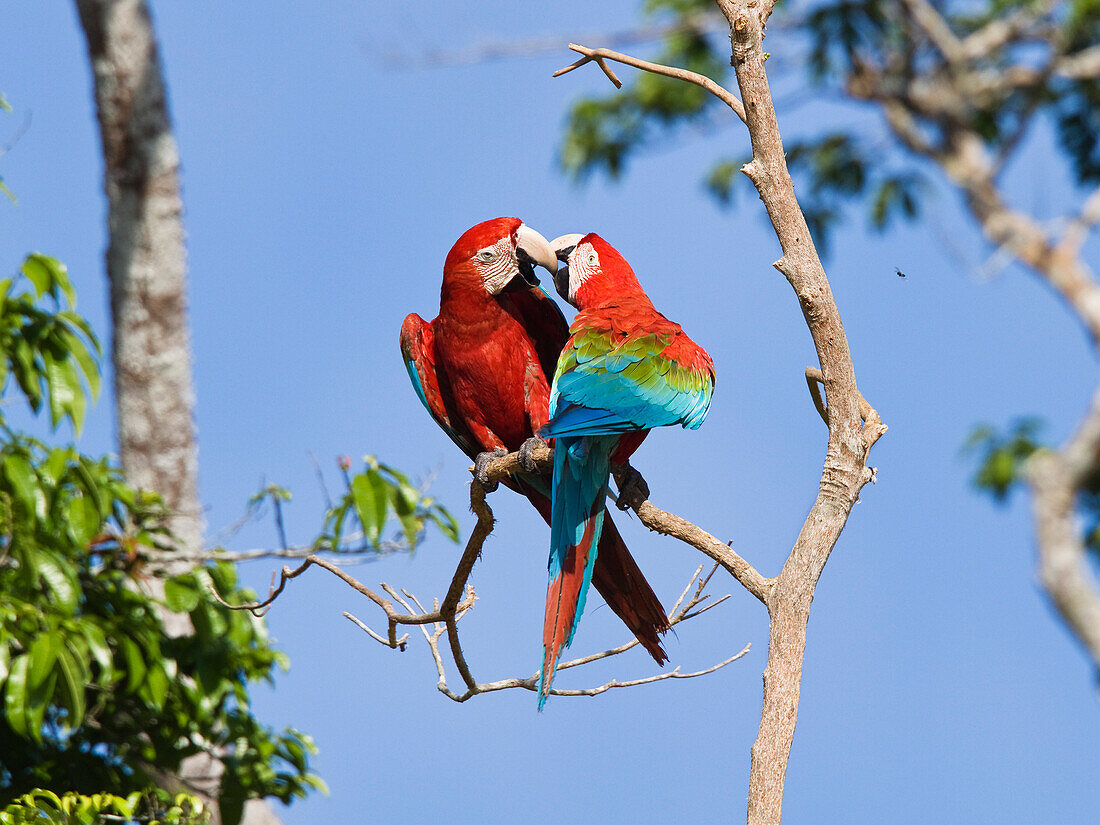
(582,467)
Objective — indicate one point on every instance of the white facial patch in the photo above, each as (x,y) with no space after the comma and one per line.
(584,261)
(497,265)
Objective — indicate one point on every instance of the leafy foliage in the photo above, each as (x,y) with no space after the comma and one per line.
(42,807)
(96,694)
(1001,458)
(837,168)
(374,497)
(602,133)
(49,350)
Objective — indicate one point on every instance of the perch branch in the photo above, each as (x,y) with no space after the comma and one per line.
(656,519)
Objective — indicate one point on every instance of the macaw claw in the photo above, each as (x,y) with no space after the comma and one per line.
(633,489)
(481,468)
(526,460)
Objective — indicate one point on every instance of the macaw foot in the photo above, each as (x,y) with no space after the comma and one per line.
(632,487)
(526,459)
(481,468)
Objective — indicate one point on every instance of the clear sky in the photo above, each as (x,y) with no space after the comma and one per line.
(323,189)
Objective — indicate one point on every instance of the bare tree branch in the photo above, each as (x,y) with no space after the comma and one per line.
(1056,478)
(939,32)
(602,55)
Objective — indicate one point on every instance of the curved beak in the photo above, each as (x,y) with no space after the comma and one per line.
(563,246)
(532,249)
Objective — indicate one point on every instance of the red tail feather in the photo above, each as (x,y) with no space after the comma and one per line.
(620,582)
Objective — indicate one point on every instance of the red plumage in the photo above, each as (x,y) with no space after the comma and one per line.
(485,365)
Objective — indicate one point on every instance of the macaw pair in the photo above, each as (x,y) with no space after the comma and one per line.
(499,366)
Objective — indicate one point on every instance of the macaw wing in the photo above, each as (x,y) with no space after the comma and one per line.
(545,325)
(639,383)
(418,353)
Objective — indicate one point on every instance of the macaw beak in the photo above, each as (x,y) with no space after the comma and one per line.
(532,249)
(563,247)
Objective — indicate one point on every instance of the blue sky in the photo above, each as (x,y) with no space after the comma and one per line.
(323,189)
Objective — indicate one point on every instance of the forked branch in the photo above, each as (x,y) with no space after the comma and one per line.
(601,56)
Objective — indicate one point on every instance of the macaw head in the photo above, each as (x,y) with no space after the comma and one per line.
(497,255)
(594,270)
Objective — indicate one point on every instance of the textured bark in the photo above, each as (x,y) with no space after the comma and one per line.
(146,261)
(147,271)
(845,472)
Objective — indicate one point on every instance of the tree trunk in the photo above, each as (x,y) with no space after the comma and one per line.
(146,262)
(147,271)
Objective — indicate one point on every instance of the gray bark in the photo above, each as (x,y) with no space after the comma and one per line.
(147,271)
(146,261)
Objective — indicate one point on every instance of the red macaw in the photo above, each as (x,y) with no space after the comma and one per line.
(482,369)
(625,369)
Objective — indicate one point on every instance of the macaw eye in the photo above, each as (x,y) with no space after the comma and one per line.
(592,260)
(486,255)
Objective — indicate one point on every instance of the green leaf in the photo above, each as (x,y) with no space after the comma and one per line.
(66,392)
(446,522)
(38,273)
(135,663)
(38,701)
(73,685)
(368,490)
(24,482)
(232,798)
(81,324)
(15,696)
(60,577)
(182,594)
(87,362)
(155,689)
(404,500)
(43,653)
(100,651)
(22,361)
(84,520)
